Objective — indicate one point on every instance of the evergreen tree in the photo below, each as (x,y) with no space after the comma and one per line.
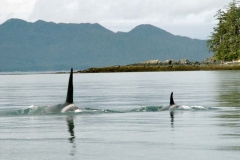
(225,39)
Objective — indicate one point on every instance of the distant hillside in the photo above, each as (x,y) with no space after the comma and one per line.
(44,46)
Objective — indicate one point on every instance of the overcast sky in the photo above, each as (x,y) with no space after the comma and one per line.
(191,18)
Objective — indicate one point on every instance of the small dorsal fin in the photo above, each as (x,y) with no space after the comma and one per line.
(171,99)
(69,98)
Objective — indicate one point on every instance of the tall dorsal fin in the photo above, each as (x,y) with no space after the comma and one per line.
(70,88)
(171,99)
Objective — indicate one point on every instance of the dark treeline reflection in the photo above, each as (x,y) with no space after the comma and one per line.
(228,95)
(229,99)
(230,123)
(228,89)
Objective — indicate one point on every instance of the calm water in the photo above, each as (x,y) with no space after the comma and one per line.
(121,116)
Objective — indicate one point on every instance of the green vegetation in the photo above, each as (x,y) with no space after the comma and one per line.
(225,40)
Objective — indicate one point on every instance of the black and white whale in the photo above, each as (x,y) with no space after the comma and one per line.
(172,106)
(68,105)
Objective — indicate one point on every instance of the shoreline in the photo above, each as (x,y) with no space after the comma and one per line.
(168,65)
(149,66)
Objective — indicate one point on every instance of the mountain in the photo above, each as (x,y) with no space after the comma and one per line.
(42,46)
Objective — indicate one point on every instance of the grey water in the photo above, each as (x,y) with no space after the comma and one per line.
(121,116)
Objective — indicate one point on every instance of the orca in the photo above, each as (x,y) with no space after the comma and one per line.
(68,105)
(171,106)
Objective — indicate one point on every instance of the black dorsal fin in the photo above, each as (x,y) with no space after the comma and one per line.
(171,99)
(70,88)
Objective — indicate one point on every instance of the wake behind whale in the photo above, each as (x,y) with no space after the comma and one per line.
(69,106)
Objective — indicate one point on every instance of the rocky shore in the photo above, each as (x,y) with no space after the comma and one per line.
(168,65)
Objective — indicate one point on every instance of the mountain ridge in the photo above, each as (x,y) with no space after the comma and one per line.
(43,46)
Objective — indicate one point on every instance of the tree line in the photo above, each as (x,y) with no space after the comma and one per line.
(224,41)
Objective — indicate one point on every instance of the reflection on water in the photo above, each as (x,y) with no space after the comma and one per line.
(230,118)
(230,122)
(172,117)
(70,124)
(228,89)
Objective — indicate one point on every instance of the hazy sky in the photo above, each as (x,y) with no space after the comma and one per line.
(191,18)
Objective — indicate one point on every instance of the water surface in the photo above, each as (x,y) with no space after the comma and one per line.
(122,117)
